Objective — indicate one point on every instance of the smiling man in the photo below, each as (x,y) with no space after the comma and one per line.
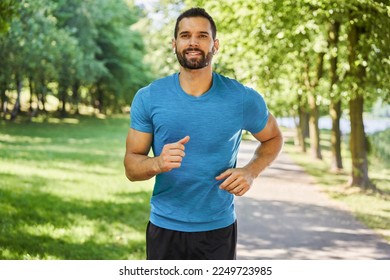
(193,122)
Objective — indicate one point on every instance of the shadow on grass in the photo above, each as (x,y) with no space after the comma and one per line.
(42,225)
(28,245)
(91,151)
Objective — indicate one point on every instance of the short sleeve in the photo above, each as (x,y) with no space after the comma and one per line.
(255,111)
(140,111)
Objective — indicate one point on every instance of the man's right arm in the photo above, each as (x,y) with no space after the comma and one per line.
(139,166)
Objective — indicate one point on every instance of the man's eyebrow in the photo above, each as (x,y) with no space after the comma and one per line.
(187,32)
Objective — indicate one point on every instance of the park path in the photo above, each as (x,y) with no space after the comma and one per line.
(285,216)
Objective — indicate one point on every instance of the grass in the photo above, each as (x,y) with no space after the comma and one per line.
(371,208)
(63,192)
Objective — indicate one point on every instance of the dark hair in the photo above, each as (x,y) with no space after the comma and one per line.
(196,12)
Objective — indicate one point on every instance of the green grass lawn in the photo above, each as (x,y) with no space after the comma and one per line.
(370,208)
(63,192)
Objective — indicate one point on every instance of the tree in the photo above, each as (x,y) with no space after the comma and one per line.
(122,52)
(33,49)
(79,19)
(111,52)
(8,9)
(335,100)
(86,51)
(157,31)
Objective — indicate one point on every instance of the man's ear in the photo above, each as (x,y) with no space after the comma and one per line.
(216,46)
(174,45)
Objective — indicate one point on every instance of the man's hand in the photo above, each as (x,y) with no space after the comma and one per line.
(172,155)
(237,181)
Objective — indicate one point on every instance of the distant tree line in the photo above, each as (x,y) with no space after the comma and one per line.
(81,52)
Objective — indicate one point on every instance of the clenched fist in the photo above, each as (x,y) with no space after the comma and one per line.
(172,155)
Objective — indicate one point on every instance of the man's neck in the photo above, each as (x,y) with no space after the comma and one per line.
(196,82)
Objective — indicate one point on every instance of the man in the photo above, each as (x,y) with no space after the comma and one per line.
(193,122)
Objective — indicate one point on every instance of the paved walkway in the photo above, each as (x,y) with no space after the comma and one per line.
(285,216)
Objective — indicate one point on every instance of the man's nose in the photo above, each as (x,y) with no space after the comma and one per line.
(194,41)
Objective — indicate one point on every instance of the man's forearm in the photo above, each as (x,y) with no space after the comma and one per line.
(140,167)
(264,155)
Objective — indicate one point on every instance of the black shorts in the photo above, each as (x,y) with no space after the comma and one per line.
(165,244)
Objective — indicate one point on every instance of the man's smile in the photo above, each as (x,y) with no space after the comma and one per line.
(193,53)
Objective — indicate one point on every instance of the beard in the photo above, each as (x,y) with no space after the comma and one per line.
(194,63)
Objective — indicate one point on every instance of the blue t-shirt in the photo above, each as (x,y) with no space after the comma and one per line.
(188,198)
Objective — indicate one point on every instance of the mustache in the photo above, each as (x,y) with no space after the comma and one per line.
(193,50)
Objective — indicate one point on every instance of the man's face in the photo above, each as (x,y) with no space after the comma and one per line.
(194,44)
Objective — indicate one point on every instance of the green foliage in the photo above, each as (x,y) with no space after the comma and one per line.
(380,148)
(157,30)
(87,49)
(126,70)
(8,9)
(63,192)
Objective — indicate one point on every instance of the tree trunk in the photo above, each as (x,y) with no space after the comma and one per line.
(315,145)
(335,105)
(335,113)
(301,126)
(63,95)
(3,97)
(31,87)
(76,96)
(314,131)
(42,95)
(100,97)
(16,109)
(359,174)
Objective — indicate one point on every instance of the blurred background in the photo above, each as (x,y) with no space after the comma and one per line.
(69,70)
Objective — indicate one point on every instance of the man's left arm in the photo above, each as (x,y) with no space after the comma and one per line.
(239,180)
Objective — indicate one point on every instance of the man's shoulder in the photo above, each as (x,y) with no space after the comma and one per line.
(229,82)
(224,78)
(157,85)
(164,81)
(233,83)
